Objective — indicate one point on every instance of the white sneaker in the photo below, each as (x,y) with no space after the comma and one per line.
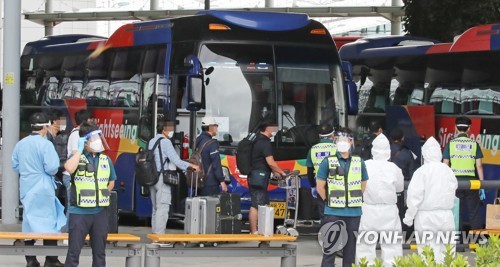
(164,245)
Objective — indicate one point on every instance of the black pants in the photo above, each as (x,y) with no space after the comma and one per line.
(470,199)
(96,226)
(45,243)
(320,207)
(349,251)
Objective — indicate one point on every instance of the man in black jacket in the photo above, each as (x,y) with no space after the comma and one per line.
(211,158)
(403,158)
(402,155)
(366,144)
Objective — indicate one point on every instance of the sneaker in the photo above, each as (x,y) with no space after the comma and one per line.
(55,263)
(164,245)
(33,263)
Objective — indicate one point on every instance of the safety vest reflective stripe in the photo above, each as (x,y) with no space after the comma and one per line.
(86,182)
(321,151)
(463,156)
(344,192)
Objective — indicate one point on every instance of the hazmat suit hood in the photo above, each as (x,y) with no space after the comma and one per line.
(381,149)
(431,151)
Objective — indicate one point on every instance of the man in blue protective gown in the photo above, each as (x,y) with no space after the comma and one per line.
(36,160)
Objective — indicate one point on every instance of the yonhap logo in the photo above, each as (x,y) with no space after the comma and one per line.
(332,237)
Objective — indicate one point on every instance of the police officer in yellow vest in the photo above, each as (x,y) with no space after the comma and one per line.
(325,148)
(93,177)
(464,156)
(341,181)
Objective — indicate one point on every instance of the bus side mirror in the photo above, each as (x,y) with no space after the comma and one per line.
(352,98)
(194,87)
(347,68)
(350,88)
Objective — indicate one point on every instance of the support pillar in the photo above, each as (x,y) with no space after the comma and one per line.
(11,84)
(396,20)
(152,256)
(290,257)
(134,258)
(154,5)
(49,26)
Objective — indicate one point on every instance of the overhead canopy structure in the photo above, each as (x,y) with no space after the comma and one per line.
(388,12)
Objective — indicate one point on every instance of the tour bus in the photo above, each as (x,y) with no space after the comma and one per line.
(239,67)
(400,73)
(342,40)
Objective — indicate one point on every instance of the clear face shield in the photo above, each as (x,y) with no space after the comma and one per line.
(44,126)
(96,141)
(343,141)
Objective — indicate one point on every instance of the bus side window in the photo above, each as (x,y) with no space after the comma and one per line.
(72,82)
(402,95)
(96,90)
(49,91)
(378,99)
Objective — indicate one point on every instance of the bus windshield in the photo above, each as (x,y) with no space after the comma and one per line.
(290,85)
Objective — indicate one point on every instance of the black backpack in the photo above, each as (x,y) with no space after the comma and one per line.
(145,166)
(244,154)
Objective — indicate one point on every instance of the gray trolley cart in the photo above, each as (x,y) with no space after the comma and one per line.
(291,183)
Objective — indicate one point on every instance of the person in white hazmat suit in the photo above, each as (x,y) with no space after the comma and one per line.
(430,200)
(380,212)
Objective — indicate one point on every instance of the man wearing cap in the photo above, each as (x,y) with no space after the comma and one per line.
(341,181)
(317,153)
(93,177)
(211,158)
(36,160)
(464,156)
(263,164)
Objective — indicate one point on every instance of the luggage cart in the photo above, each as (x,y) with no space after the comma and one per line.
(291,184)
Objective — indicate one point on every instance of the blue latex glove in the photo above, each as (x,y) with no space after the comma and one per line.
(482,195)
(314,192)
(81,144)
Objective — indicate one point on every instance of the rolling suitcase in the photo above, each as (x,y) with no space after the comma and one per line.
(201,215)
(265,224)
(208,215)
(192,218)
(229,214)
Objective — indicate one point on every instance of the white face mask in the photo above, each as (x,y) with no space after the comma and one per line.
(170,135)
(343,146)
(96,146)
(273,134)
(62,128)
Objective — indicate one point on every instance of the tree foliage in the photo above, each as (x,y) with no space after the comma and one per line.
(444,19)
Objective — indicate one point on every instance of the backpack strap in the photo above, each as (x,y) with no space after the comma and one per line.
(201,151)
(205,144)
(157,144)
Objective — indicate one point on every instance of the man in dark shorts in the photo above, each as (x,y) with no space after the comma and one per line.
(262,165)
